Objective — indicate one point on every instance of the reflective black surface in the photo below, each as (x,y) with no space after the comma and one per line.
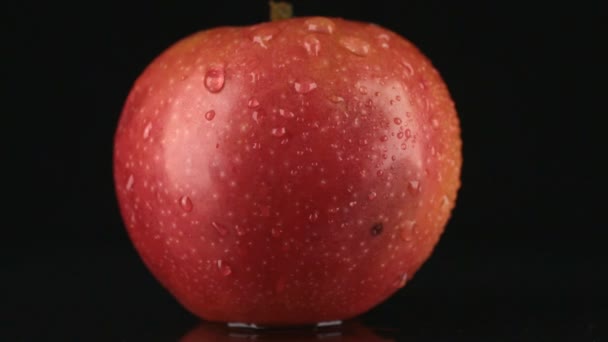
(523,257)
(105,295)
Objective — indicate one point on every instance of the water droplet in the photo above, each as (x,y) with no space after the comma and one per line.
(355,45)
(314,216)
(286,113)
(256,146)
(400,135)
(372,195)
(352,204)
(398,98)
(147,130)
(304,86)
(404,146)
(240,231)
(185,203)
(220,228)
(445,202)
(401,280)
(279,131)
(276,232)
(258,115)
(321,25)
(408,133)
(397,121)
(130,182)
(377,229)
(223,268)
(253,103)
(336,99)
(407,231)
(312,45)
(383,138)
(262,39)
(408,68)
(379,173)
(363,90)
(435,123)
(210,115)
(393,158)
(214,79)
(413,186)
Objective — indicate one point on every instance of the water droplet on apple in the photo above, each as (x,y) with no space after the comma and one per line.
(413,186)
(321,25)
(220,228)
(377,229)
(253,103)
(276,232)
(336,99)
(286,113)
(397,121)
(408,133)
(279,131)
(372,195)
(435,123)
(240,231)
(304,86)
(214,79)
(314,216)
(312,45)
(383,138)
(406,233)
(186,203)
(130,182)
(352,204)
(224,268)
(147,130)
(403,146)
(258,116)
(401,280)
(408,68)
(379,173)
(445,202)
(355,45)
(210,115)
(400,135)
(262,39)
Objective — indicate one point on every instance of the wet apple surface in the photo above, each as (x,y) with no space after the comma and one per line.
(289,172)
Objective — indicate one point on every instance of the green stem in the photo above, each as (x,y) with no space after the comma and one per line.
(280,10)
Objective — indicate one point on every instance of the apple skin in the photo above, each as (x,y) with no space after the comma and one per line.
(288,172)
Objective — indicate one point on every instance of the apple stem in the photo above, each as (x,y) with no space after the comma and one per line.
(280,10)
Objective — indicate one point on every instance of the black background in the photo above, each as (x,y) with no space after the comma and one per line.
(523,257)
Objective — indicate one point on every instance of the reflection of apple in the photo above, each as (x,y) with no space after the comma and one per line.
(289,172)
(351,332)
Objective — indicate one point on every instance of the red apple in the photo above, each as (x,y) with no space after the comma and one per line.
(289,172)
